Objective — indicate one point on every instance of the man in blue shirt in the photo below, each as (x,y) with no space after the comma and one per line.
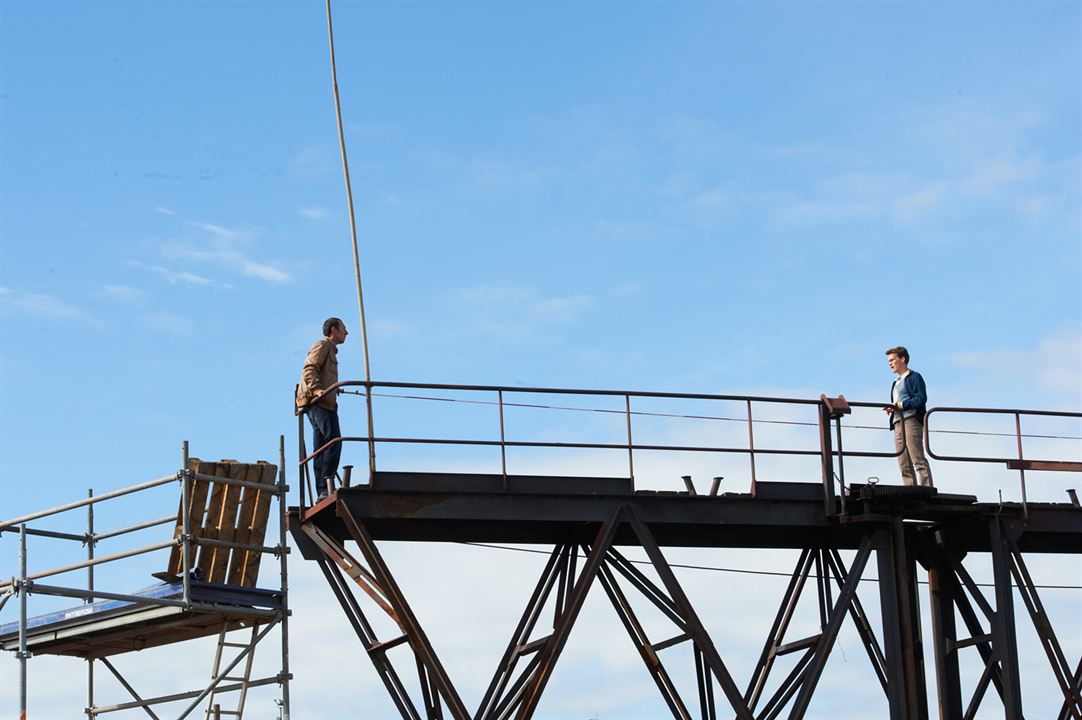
(909,401)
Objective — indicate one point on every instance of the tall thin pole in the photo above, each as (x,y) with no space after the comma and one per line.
(356,257)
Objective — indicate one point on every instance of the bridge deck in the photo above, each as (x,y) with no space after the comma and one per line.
(447,507)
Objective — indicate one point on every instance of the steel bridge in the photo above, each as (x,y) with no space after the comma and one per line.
(901,530)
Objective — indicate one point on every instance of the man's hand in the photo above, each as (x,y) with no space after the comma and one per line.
(889,409)
(317,394)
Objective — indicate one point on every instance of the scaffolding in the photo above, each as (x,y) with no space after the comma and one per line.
(208,587)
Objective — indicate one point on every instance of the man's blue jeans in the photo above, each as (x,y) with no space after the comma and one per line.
(324,429)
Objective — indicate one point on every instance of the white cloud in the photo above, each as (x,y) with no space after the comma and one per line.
(314,212)
(164,211)
(918,203)
(174,277)
(228,259)
(312,160)
(711,207)
(518,313)
(39,305)
(1054,367)
(124,293)
(217,231)
(225,248)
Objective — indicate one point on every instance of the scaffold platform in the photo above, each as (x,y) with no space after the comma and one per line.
(110,627)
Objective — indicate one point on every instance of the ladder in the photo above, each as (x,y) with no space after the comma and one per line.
(214,711)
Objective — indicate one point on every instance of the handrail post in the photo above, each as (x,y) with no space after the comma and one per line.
(283,570)
(630,458)
(841,462)
(1021,471)
(371,432)
(23,655)
(751,449)
(90,542)
(301,454)
(503,441)
(827,458)
(185,525)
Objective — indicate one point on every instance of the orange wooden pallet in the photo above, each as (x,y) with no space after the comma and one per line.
(229,513)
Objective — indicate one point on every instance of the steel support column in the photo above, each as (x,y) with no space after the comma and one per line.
(901,625)
(1004,639)
(943,590)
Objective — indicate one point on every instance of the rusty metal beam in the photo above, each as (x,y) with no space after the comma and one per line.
(418,641)
(687,612)
(550,653)
(817,662)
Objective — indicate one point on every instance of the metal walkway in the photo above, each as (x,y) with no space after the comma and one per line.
(586,521)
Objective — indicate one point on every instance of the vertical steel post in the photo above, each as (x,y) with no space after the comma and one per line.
(841,460)
(283,708)
(1004,640)
(630,459)
(890,594)
(368,408)
(185,525)
(90,541)
(503,441)
(1021,471)
(751,448)
(22,622)
(827,458)
(942,589)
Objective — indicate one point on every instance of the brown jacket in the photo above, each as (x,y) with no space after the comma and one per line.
(320,372)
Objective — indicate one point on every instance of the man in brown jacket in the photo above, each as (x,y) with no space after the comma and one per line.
(321,372)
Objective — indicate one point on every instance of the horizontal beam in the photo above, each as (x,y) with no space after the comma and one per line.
(780,515)
(1054,465)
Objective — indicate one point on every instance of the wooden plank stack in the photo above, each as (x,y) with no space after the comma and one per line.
(226,512)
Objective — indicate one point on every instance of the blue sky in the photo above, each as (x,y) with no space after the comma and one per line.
(700,197)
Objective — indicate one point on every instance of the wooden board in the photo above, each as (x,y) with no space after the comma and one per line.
(213,516)
(243,530)
(197,498)
(227,522)
(249,570)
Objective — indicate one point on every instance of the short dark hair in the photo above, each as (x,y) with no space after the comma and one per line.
(901,352)
(330,324)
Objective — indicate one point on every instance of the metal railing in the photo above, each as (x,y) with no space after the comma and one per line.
(187,540)
(828,412)
(629,445)
(1018,462)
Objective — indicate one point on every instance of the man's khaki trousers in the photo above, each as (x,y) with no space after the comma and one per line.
(910,444)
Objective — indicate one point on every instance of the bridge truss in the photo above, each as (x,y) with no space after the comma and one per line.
(901,532)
